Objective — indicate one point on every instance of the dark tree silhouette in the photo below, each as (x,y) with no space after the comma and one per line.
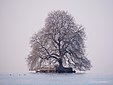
(60,42)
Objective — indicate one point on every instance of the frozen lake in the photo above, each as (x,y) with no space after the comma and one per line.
(55,79)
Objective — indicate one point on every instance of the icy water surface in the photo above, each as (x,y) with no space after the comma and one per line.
(55,79)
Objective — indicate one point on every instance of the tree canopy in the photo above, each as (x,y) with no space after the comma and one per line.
(60,42)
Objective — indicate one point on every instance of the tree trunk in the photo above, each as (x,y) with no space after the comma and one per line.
(62,69)
(60,62)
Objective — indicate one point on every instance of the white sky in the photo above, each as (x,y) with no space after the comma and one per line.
(19,19)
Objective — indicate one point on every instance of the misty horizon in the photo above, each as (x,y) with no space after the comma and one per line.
(19,20)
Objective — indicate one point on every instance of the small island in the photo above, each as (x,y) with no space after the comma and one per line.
(59,46)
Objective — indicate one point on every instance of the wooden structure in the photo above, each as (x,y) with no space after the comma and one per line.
(45,70)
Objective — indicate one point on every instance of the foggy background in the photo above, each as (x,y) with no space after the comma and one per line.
(20,19)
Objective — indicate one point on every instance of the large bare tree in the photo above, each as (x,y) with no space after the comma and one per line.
(60,42)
